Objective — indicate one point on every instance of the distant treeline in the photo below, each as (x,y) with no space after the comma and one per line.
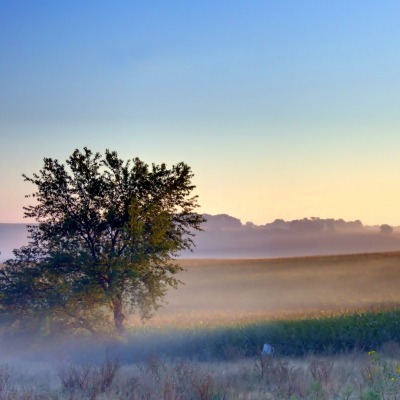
(312,225)
(226,237)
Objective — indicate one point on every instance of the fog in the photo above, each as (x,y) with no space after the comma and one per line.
(12,236)
(229,294)
(265,244)
(228,282)
(251,290)
(227,237)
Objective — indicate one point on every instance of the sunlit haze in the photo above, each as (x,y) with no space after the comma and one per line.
(282,109)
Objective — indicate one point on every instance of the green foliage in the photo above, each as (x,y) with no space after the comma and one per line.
(320,336)
(106,237)
(370,395)
(381,376)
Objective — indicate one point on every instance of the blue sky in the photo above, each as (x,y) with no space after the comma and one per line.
(283,109)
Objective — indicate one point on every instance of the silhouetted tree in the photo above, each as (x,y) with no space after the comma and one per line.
(107,233)
(221,222)
(385,228)
(305,225)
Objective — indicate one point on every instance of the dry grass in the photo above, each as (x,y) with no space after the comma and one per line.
(351,377)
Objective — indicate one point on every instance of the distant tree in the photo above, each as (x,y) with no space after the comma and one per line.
(107,234)
(385,228)
(305,225)
(221,222)
(355,225)
(277,225)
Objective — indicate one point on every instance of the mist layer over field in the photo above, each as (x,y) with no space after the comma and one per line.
(291,239)
(228,292)
(232,291)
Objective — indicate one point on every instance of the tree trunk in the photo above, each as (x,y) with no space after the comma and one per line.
(119,316)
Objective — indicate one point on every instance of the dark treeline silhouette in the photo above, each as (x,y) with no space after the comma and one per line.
(224,236)
(223,222)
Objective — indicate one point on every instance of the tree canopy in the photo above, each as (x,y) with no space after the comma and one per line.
(104,244)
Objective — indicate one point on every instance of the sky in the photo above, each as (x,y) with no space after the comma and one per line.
(283,109)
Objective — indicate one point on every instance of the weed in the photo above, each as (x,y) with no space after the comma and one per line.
(4,379)
(347,393)
(381,376)
(87,380)
(370,395)
(320,370)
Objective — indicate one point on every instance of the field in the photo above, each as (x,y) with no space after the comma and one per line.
(334,323)
(232,291)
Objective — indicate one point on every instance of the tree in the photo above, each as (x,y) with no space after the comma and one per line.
(385,228)
(107,235)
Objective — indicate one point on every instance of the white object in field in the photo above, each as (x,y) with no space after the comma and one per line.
(267,350)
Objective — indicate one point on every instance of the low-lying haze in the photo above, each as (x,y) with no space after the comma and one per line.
(226,237)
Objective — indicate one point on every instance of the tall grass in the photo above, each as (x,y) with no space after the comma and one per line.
(355,377)
(224,363)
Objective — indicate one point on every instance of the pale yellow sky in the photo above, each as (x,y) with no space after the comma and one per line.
(282,110)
